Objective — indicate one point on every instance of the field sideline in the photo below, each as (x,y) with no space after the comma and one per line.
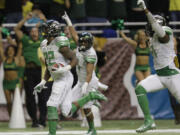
(110,127)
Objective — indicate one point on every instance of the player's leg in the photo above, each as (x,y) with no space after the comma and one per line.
(93,86)
(56,98)
(172,83)
(90,119)
(150,84)
(68,107)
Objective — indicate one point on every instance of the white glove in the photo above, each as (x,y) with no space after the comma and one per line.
(102,86)
(61,70)
(67,19)
(141,4)
(38,88)
(84,88)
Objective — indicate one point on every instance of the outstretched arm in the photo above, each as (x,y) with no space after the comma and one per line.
(71,28)
(127,39)
(157,28)
(11,41)
(18,27)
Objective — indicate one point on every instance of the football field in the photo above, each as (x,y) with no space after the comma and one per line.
(119,127)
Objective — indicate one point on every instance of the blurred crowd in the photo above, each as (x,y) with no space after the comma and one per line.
(85,10)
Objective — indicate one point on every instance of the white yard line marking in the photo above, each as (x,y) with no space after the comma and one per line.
(77,132)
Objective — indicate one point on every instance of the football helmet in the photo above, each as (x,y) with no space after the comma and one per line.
(160,19)
(51,28)
(85,41)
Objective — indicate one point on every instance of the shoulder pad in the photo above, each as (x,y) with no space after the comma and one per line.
(43,43)
(168,30)
(91,56)
(62,41)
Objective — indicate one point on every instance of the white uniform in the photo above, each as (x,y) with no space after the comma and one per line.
(61,89)
(84,57)
(168,76)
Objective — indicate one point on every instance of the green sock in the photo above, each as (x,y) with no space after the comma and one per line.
(81,102)
(91,125)
(52,126)
(52,119)
(73,109)
(143,101)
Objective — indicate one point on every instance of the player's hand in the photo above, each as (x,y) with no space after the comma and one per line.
(67,19)
(84,88)
(61,70)
(141,4)
(38,88)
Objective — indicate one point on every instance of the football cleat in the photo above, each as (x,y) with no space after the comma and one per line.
(148,125)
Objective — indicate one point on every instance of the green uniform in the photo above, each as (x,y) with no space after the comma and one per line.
(10,85)
(30,48)
(142,52)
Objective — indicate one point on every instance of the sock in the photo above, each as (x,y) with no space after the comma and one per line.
(52,119)
(143,101)
(90,118)
(80,103)
(91,124)
(52,126)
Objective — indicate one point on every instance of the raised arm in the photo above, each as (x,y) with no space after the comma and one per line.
(128,40)
(156,27)
(19,58)
(18,27)
(71,28)
(19,50)
(11,41)
(2,57)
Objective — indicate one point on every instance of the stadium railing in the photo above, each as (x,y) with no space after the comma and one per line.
(101,26)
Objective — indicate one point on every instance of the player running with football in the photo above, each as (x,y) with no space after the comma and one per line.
(167,75)
(59,60)
(87,80)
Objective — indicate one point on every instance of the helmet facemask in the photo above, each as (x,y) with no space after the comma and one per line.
(51,28)
(85,41)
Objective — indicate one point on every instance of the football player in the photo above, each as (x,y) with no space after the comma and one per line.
(167,75)
(59,60)
(87,80)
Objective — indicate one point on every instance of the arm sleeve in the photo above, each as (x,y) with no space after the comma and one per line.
(91,58)
(155,26)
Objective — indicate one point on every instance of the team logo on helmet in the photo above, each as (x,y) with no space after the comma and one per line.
(85,41)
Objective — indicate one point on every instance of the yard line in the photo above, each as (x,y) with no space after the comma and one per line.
(77,132)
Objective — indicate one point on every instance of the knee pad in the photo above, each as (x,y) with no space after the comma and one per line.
(140,90)
(52,113)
